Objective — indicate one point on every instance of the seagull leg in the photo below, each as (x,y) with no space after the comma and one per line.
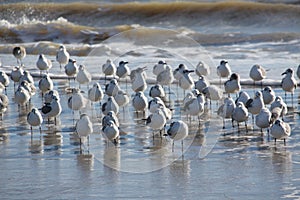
(284,142)
(173,146)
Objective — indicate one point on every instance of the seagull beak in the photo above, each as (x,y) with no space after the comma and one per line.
(283,73)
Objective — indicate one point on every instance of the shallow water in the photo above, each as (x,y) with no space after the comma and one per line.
(217,163)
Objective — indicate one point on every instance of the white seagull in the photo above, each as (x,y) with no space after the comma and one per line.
(268,95)
(280,130)
(43,63)
(138,79)
(110,105)
(84,127)
(45,84)
(83,76)
(52,109)
(34,118)
(4,79)
(110,116)
(226,109)
(76,101)
(123,70)
(156,121)
(223,70)
(16,74)
(122,98)
(22,96)
(263,119)
(140,102)
(154,104)
(62,56)
(159,67)
(19,53)
(157,91)
(240,114)
(233,84)
(111,131)
(201,83)
(178,72)
(112,88)
(71,69)
(243,97)
(289,82)
(256,104)
(26,76)
(202,69)
(109,68)
(257,73)
(178,131)
(279,103)
(48,96)
(95,93)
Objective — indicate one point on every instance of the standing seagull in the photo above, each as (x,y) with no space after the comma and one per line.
(111,131)
(202,69)
(4,79)
(84,127)
(110,105)
(62,56)
(240,114)
(243,97)
(157,121)
(140,102)
(45,84)
(226,110)
(233,84)
(157,91)
(263,119)
(122,98)
(298,71)
(279,103)
(95,93)
(268,95)
(19,53)
(109,68)
(52,109)
(83,76)
(159,67)
(289,83)
(178,131)
(256,104)
(112,88)
(280,130)
(138,79)
(186,81)
(71,69)
(34,118)
(15,75)
(166,78)
(201,83)
(76,100)
(257,73)
(223,70)
(123,70)
(111,115)
(43,63)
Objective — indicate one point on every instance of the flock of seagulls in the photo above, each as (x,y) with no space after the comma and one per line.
(266,109)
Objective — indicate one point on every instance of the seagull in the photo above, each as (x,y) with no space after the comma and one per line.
(280,130)
(140,102)
(178,131)
(48,96)
(226,109)
(19,53)
(186,82)
(29,87)
(123,70)
(110,105)
(4,79)
(71,69)
(52,109)
(3,104)
(43,63)
(201,83)
(83,76)
(279,103)
(257,73)
(34,118)
(111,131)
(263,119)
(110,116)
(45,84)
(223,70)
(84,127)
(178,72)
(16,74)
(109,68)
(22,96)
(62,56)
(268,95)
(138,79)
(95,93)
(156,121)
(154,104)
(240,114)
(76,100)
(256,104)
(112,88)
(195,106)
(202,69)
(122,98)
(26,76)
(157,91)
(289,83)
(233,84)
(166,78)
(243,97)
(159,67)
(213,92)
